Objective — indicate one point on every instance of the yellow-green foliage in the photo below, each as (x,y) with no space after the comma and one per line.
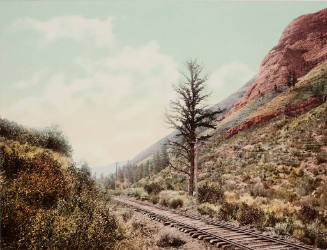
(210,192)
(313,84)
(208,209)
(277,169)
(48,138)
(173,199)
(46,202)
(138,193)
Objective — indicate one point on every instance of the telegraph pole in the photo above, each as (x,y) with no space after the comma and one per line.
(116,177)
(197,170)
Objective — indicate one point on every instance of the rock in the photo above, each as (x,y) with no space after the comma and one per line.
(290,110)
(302,46)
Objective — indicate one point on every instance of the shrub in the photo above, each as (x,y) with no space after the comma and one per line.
(283,228)
(307,184)
(172,199)
(270,220)
(45,205)
(167,239)
(208,209)
(307,213)
(210,192)
(50,138)
(164,201)
(138,193)
(153,187)
(228,211)
(249,214)
(175,203)
(154,198)
(126,215)
(321,157)
(258,190)
(311,235)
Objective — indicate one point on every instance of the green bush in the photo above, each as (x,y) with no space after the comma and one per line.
(258,190)
(46,205)
(228,211)
(310,235)
(208,209)
(153,188)
(175,203)
(154,198)
(170,240)
(284,228)
(321,157)
(210,192)
(270,220)
(164,201)
(249,214)
(307,213)
(50,138)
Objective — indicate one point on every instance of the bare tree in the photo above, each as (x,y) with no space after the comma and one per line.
(189,115)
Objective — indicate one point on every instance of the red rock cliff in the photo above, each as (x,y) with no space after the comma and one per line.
(302,46)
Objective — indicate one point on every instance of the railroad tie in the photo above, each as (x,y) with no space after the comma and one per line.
(201,237)
(222,244)
(197,235)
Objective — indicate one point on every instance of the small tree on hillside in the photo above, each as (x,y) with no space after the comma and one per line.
(189,115)
(291,78)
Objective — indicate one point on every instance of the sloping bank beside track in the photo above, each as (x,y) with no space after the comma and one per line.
(219,234)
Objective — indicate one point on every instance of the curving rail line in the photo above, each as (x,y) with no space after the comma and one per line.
(219,234)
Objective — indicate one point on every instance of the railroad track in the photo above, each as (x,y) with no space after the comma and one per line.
(219,234)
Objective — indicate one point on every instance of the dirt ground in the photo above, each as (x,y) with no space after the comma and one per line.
(154,235)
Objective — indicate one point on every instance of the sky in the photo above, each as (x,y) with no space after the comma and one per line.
(103,70)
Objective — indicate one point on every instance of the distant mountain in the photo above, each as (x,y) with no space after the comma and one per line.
(109,169)
(225,105)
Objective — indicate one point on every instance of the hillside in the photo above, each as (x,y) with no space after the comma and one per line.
(271,175)
(224,105)
(279,165)
(266,163)
(301,47)
(47,202)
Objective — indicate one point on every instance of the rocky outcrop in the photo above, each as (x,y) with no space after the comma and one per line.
(290,110)
(302,46)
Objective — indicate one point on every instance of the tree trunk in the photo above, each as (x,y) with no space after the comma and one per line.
(191,181)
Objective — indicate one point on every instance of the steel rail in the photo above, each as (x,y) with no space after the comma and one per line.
(167,219)
(215,223)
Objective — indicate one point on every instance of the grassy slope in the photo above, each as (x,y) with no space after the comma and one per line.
(278,167)
(312,84)
(272,175)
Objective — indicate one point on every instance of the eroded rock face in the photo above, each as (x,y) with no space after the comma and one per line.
(290,110)
(302,46)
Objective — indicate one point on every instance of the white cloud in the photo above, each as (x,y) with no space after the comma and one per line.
(228,78)
(110,114)
(74,27)
(35,80)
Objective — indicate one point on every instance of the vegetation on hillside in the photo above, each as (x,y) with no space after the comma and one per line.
(272,176)
(129,174)
(48,202)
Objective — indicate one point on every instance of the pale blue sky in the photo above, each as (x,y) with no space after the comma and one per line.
(102,70)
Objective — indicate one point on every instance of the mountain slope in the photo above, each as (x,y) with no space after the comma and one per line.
(302,46)
(225,105)
(279,165)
